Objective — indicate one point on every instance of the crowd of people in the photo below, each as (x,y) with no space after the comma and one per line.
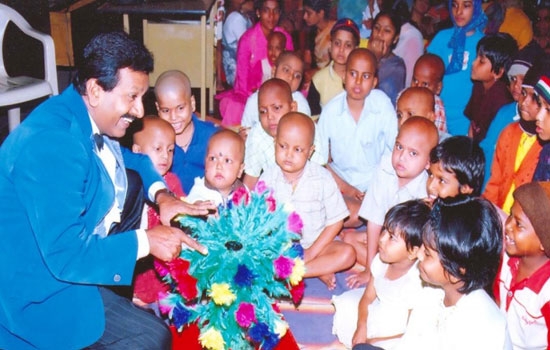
(412,141)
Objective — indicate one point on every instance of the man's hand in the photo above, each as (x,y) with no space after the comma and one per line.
(170,207)
(165,242)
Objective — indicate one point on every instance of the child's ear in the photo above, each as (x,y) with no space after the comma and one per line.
(499,74)
(136,148)
(241,169)
(466,189)
(431,116)
(157,105)
(311,150)
(438,88)
(413,253)
(375,82)
(293,106)
(193,105)
(395,40)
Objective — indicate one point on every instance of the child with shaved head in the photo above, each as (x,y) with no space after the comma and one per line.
(274,101)
(176,105)
(313,193)
(428,72)
(224,164)
(417,102)
(400,177)
(157,139)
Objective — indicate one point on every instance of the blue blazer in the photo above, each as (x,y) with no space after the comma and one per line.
(54,190)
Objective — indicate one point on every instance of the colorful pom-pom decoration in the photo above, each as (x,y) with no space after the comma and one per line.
(254,259)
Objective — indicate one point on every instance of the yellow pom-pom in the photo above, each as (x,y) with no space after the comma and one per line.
(212,339)
(298,271)
(221,294)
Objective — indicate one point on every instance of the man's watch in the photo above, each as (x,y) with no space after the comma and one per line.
(164,190)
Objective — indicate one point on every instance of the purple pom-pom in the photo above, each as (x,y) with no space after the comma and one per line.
(258,332)
(244,277)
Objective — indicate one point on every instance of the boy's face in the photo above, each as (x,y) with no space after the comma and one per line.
(443,184)
(291,70)
(543,120)
(462,11)
(223,164)
(272,106)
(515,85)
(292,149)
(431,270)
(411,154)
(528,105)
(411,105)
(482,69)
(360,77)
(341,44)
(177,109)
(392,248)
(520,237)
(425,76)
(274,48)
(159,145)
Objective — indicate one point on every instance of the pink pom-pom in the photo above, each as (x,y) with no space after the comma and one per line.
(283,267)
(295,223)
(241,194)
(260,187)
(245,315)
(271,203)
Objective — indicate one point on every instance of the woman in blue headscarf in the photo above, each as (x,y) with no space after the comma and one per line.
(457,47)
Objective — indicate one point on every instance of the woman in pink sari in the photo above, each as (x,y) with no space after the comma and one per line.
(251,50)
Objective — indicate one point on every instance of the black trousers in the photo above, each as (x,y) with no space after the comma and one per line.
(128,326)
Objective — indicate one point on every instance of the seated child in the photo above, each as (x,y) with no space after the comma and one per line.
(328,81)
(289,68)
(156,139)
(176,105)
(489,92)
(420,102)
(274,101)
(399,178)
(356,128)
(223,166)
(456,167)
(517,149)
(460,259)
(523,287)
(379,313)
(428,72)
(542,90)
(276,42)
(312,192)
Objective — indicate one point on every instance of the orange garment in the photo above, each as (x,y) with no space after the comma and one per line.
(502,170)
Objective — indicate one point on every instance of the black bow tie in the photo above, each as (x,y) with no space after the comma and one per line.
(98,138)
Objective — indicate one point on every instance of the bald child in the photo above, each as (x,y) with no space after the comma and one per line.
(274,101)
(156,138)
(314,195)
(399,178)
(176,104)
(224,164)
(428,72)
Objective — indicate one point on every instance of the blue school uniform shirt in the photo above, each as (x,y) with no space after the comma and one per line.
(188,165)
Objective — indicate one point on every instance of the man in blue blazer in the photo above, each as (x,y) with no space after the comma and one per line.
(57,201)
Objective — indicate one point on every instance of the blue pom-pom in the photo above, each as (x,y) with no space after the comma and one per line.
(297,250)
(181,315)
(271,341)
(244,277)
(258,332)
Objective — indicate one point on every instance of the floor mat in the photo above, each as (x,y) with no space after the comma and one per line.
(311,321)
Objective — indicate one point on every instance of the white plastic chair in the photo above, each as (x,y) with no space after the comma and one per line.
(16,90)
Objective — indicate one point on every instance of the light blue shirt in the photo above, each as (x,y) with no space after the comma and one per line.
(357,147)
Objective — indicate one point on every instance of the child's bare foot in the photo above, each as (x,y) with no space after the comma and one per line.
(329,280)
(358,279)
